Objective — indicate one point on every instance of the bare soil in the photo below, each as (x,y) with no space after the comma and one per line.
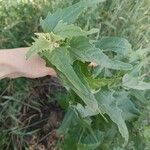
(46,118)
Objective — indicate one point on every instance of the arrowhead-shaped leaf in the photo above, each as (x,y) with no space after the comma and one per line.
(107,102)
(45,42)
(116,44)
(68,31)
(82,50)
(60,59)
(68,15)
(91,142)
(135,83)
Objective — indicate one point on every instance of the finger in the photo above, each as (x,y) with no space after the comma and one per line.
(92,64)
(51,72)
(40,73)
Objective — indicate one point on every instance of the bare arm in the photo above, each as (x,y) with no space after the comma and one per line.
(13,64)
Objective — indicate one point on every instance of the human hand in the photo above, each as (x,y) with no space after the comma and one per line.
(13,64)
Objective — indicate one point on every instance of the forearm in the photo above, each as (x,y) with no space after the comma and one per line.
(7,61)
(7,56)
(13,64)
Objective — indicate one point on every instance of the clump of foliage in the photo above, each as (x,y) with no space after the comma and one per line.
(20,19)
(103,101)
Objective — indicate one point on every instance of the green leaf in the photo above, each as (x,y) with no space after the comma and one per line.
(89,3)
(61,60)
(78,132)
(68,31)
(92,31)
(82,50)
(143,52)
(68,15)
(68,120)
(45,42)
(91,142)
(97,84)
(107,102)
(139,95)
(129,111)
(140,54)
(116,44)
(85,111)
(129,81)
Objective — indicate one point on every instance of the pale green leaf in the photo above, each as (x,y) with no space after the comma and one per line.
(89,3)
(116,44)
(85,111)
(139,95)
(38,46)
(82,50)
(97,84)
(45,42)
(140,54)
(68,31)
(91,142)
(129,81)
(68,15)
(68,120)
(106,101)
(129,111)
(143,52)
(92,31)
(60,59)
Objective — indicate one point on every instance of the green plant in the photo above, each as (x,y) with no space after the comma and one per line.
(101,98)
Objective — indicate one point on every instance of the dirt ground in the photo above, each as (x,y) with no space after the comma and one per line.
(47,118)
